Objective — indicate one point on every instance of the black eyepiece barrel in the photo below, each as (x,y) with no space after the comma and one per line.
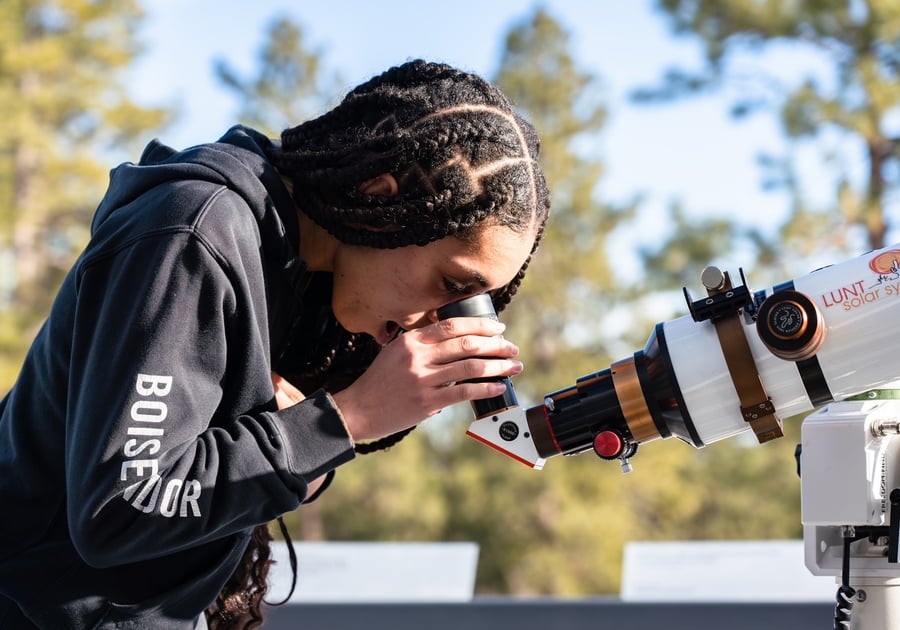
(482,306)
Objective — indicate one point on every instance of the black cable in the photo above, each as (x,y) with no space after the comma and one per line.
(845,593)
(292,558)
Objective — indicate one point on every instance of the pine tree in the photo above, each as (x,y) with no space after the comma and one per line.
(844,105)
(63,112)
(291,83)
(571,284)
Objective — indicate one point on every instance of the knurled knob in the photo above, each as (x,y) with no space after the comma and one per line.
(790,325)
(608,444)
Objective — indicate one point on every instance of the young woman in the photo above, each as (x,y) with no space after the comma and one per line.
(247,315)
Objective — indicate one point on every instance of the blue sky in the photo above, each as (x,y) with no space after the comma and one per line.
(690,151)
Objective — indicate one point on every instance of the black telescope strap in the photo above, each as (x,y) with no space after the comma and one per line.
(809,369)
(756,406)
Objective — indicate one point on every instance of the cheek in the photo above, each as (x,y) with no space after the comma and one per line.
(360,284)
(346,299)
(351,302)
(374,286)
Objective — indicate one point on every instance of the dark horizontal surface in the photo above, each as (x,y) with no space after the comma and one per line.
(552,614)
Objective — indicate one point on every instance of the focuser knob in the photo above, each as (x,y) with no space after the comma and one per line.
(608,444)
(790,325)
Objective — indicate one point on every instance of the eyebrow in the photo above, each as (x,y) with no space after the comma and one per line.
(473,276)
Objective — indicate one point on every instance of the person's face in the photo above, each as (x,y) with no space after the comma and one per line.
(380,291)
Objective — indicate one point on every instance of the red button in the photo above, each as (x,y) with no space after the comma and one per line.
(608,444)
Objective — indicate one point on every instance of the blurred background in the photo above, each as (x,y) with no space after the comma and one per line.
(760,134)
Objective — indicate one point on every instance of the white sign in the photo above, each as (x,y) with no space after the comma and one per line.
(721,571)
(375,572)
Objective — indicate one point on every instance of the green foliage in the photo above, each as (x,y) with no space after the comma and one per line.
(859,42)
(691,244)
(291,85)
(393,495)
(62,111)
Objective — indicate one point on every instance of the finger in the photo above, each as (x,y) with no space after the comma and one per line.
(459,348)
(460,392)
(286,395)
(458,326)
(469,369)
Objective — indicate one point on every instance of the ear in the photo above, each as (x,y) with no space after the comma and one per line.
(384,184)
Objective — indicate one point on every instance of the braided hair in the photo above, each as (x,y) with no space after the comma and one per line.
(463,158)
(460,152)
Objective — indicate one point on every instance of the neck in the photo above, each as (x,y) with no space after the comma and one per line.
(317,246)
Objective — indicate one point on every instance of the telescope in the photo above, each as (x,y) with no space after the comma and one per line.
(740,361)
(744,360)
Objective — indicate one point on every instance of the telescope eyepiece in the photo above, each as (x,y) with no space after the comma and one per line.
(481,305)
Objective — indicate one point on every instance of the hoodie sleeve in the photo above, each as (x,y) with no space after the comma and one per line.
(166,343)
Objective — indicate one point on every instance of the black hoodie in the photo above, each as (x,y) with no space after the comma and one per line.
(141,442)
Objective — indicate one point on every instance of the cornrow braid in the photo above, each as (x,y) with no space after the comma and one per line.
(459,150)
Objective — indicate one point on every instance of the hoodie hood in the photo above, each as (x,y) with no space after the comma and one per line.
(238,161)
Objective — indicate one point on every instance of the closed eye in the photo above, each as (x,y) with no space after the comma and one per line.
(456,288)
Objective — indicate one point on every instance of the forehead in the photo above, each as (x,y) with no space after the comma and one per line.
(494,252)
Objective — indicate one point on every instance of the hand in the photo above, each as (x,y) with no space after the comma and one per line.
(422,371)
(286,395)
